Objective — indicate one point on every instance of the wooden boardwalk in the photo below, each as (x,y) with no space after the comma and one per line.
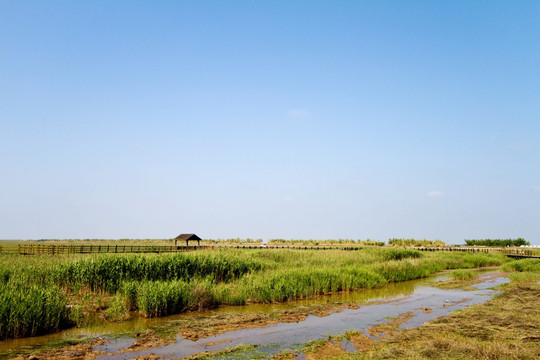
(59,249)
(518,257)
(521,253)
(56,249)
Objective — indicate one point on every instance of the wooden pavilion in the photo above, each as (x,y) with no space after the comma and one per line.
(187,238)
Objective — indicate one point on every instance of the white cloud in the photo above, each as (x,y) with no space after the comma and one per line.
(435,193)
(287,199)
(298,113)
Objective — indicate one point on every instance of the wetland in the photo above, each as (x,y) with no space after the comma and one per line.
(250,303)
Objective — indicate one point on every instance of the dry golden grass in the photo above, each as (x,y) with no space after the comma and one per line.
(507,327)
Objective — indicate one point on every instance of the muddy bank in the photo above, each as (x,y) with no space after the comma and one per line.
(274,338)
(506,327)
(73,352)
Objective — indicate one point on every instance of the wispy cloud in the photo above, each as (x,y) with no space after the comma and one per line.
(435,193)
(287,199)
(521,147)
(298,113)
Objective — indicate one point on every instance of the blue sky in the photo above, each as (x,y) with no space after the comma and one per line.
(270,119)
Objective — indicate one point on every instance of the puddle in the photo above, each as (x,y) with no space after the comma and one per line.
(417,297)
(348,346)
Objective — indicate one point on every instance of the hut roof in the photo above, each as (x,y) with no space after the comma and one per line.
(184,237)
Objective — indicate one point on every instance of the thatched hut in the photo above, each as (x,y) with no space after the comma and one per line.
(187,238)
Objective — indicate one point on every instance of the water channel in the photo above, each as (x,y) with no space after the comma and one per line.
(376,306)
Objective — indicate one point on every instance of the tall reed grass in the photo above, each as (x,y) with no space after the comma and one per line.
(31,310)
(159,298)
(34,291)
(287,285)
(107,272)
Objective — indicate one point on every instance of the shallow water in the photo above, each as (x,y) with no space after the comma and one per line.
(398,298)
(287,336)
(139,324)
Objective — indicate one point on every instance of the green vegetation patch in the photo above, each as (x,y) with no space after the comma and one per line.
(532,265)
(399,254)
(41,293)
(107,272)
(418,243)
(240,352)
(463,274)
(497,242)
(31,310)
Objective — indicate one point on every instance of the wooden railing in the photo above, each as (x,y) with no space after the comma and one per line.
(38,249)
(521,253)
(58,249)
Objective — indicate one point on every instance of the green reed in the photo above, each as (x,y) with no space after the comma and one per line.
(30,310)
(34,290)
(287,285)
(160,298)
(107,272)
(461,274)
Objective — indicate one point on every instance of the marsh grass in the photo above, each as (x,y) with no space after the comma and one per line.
(117,309)
(107,272)
(524,277)
(287,285)
(523,271)
(158,285)
(160,298)
(31,310)
(505,327)
(240,352)
(530,265)
(399,254)
(463,274)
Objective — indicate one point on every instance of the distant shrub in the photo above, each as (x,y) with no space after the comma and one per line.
(497,242)
(371,242)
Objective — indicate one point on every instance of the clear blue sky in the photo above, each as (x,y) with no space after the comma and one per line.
(270,119)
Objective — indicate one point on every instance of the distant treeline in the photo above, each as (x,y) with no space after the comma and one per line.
(414,242)
(497,242)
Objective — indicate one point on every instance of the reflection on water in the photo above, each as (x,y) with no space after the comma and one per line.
(140,323)
(389,291)
(411,296)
